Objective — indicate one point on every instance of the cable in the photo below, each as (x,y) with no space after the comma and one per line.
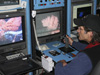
(36,36)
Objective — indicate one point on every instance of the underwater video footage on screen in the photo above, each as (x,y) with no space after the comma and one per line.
(11,30)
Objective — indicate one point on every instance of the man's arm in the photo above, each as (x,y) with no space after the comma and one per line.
(80,65)
(79,46)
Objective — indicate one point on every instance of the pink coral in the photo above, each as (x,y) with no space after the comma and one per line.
(51,22)
(12,24)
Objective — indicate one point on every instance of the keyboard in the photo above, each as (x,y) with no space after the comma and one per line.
(16,66)
(17,55)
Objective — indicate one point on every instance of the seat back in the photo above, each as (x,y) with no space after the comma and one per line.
(96,70)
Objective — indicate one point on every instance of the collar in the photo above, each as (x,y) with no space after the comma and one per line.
(92,45)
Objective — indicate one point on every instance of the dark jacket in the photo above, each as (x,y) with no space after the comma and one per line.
(94,54)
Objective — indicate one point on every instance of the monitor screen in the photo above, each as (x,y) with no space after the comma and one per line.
(47,24)
(81,12)
(12,32)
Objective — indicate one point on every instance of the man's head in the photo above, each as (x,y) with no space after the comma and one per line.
(89,27)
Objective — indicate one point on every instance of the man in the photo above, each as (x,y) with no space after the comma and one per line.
(86,60)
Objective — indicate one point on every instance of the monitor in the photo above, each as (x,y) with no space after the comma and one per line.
(49,25)
(81,10)
(12,32)
(9,4)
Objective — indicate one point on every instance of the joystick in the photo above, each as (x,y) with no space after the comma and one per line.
(66,42)
(66,49)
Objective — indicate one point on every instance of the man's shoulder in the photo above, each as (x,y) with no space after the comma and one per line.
(94,47)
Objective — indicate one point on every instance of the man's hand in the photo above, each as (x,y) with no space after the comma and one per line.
(69,39)
(63,62)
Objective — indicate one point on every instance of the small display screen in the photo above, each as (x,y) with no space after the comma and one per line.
(81,12)
(11,30)
(8,2)
(48,23)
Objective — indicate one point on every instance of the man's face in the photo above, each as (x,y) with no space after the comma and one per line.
(82,34)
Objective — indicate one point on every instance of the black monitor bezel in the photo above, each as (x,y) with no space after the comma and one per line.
(57,36)
(17,46)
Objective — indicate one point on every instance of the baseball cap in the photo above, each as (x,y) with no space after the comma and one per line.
(90,21)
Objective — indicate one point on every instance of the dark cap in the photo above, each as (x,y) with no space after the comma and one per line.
(90,21)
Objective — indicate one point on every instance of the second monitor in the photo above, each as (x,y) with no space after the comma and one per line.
(81,10)
(49,24)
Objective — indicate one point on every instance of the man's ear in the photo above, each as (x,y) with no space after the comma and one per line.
(90,33)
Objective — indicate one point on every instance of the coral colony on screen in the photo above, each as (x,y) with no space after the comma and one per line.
(10,30)
(49,24)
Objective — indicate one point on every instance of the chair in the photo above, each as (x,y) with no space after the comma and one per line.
(96,70)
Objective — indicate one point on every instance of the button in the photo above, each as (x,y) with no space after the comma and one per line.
(52,3)
(41,4)
(44,4)
(58,2)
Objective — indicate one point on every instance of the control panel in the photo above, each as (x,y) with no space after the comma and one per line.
(58,51)
(43,4)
